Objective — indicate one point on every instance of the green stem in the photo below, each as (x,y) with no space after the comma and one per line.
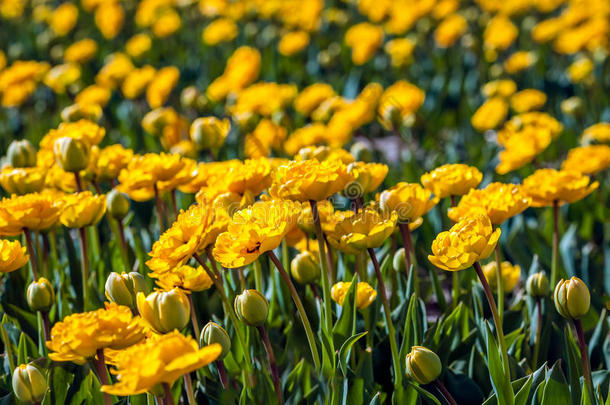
(500,284)
(498,324)
(328,315)
(554,275)
(407,243)
(82,235)
(32,252)
(193,315)
(258,275)
(159,206)
(584,354)
(188,386)
(102,373)
(538,333)
(300,308)
(388,321)
(441,387)
(455,275)
(275,375)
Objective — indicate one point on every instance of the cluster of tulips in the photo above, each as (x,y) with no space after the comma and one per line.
(279,216)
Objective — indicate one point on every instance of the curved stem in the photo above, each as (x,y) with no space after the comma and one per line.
(188,386)
(275,375)
(554,275)
(500,283)
(193,315)
(328,314)
(388,320)
(222,374)
(584,354)
(32,252)
(406,243)
(100,367)
(439,384)
(82,235)
(168,399)
(79,184)
(46,324)
(538,333)
(300,308)
(497,322)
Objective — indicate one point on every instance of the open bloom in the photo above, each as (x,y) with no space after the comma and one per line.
(586,159)
(499,201)
(365,294)
(409,200)
(12,255)
(82,209)
(565,186)
(451,179)
(255,230)
(368,177)
(162,359)
(79,336)
(470,240)
(186,277)
(309,180)
(22,180)
(36,211)
(366,229)
(510,275)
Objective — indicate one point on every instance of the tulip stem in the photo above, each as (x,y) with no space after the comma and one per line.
(32,252)
(328,314)
(124,248)
(46,326)
(584,354)
(100,366)
(222,374)
(441,387)
(159,206)
(79,183)
(455,275)
(297,301)
(193,315)
(82,235)
(168,399)
(275,375)
(500,283)
(497,322)
(188,386)
(407,243)
(228,308)
(388,320)
(538,333)
(555,242)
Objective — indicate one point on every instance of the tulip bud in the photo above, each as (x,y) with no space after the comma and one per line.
(21,154)
(71,154)
(76,112)
(423,365)
(537,285)
(252,307)
(572,298)
(165,310)
(192,98)
(40,295)
(123,288)
(214,333)
(362,179)
(361,152)
(29,383)
(117,204)
(398,261)
(305,268)
(209,132)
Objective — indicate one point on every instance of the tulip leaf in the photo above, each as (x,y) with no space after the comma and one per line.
(346,324)
(424,393)
(345,351)
(572,361)
(496,370)
(556,389)
(26,349)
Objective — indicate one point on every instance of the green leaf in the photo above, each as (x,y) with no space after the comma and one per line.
(556,390)
(424,393)
(61,381)
(345,351)
(26,349)
(496,370)
(346,324)
(524,392)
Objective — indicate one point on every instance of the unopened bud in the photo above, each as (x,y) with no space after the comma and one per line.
(252,307)
(40,295)
(214,333)
(71,154)
(123,288)
(572,298)
(117,204)
(305,268)
(21,154)
(423,365)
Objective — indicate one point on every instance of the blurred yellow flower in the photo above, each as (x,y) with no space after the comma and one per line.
(365,230)
(546,186)
(510,275)
(527,100)
(63,19)
(210,132)
(451,180)
(79,336)
(137,80)
(367,178)
(12,255)
(112,74)
(400,51)
(185,277)
(242,68)
(408,200)
(599,132)
(399,103)
(364,39)
(499,201)
(138,45)
(470,240)
(450,30)
(168,357)
(76,112)
(167,23)
(255,230)
(161,86)
(111,160)
(82,209)
(293,42)
(81,51)
(35,211)
(580,70)
(84,130)
(309,180)
(490,114)
(312,96)
(266,135)
(22,180)
(503,88)
(519,61)
(585,159)
(365,294)
(93,94)
(499,33)
(109,18)
(220,30)
(62,76)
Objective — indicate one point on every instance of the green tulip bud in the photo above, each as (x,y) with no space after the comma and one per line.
(572,298)
(305,268)
(123,288)
(361,152)
(398,261)
(76,112)
(40,295)
(214,333)
(165,310)
(117,204)
(71,154)
(537,285)
(21,154)
(209,132)
(29,383)
(423,365)
(252,307)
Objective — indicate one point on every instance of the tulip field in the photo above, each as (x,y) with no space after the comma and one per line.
(334,202)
